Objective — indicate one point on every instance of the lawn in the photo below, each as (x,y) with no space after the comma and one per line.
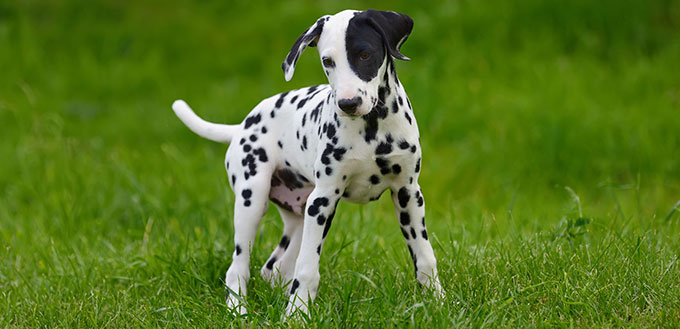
(550,133)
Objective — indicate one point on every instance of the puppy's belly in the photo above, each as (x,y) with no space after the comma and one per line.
(290,190)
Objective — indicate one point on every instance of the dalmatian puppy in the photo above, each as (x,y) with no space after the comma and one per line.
(307,149)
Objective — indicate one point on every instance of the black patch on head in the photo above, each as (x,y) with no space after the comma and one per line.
(361,40)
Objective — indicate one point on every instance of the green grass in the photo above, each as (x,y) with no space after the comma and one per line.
(551,140)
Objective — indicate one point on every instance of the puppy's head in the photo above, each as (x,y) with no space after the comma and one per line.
(353,47)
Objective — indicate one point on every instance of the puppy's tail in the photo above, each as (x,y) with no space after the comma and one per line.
(212,131)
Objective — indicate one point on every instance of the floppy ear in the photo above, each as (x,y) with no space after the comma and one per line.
(394,29)
(308,38)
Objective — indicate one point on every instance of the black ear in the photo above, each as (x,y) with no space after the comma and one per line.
(308,38)
(393,27)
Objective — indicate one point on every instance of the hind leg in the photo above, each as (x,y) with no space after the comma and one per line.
(280,266)
(251,202)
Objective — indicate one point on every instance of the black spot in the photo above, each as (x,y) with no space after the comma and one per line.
(246,203)
(284,242)
(382,162)
(294,286)
(403,197)
(292,100)
(337,191)
(345,194)
(311,89)
(313,209)
(385,171)
(247,148)
(321,219)
(279,101)
(403,145)
(418,165)
(243,140)
(413,149)
(253,138)
(401,100)
(318,249)
(238,250)
(383,148)
(404,218)
(329,171)
(318,174)
(330,132)
(264,129)
(419,197)
(424,233)
(404,233)
(408,117)
(253,119)
(302,103)
(395,107)
(375,179)
(280,144)
(270,263)
(396,169)
(304,119)
(423,221)
(328,223)
(304,142)
(413,233)
(233,179)
(261,154)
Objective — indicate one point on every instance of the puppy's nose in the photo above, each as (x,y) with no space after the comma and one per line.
(349,105)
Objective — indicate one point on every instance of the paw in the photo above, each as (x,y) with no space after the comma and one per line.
(235,304)
(296,306)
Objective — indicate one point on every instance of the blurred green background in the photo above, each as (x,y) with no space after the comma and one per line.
(516,101)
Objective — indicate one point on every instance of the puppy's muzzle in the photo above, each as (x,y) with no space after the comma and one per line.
(349,105)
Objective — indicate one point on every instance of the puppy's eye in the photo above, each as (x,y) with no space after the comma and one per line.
(327,62)
(365,56)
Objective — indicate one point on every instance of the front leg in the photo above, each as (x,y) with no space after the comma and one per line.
(319,214)
(409,205)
